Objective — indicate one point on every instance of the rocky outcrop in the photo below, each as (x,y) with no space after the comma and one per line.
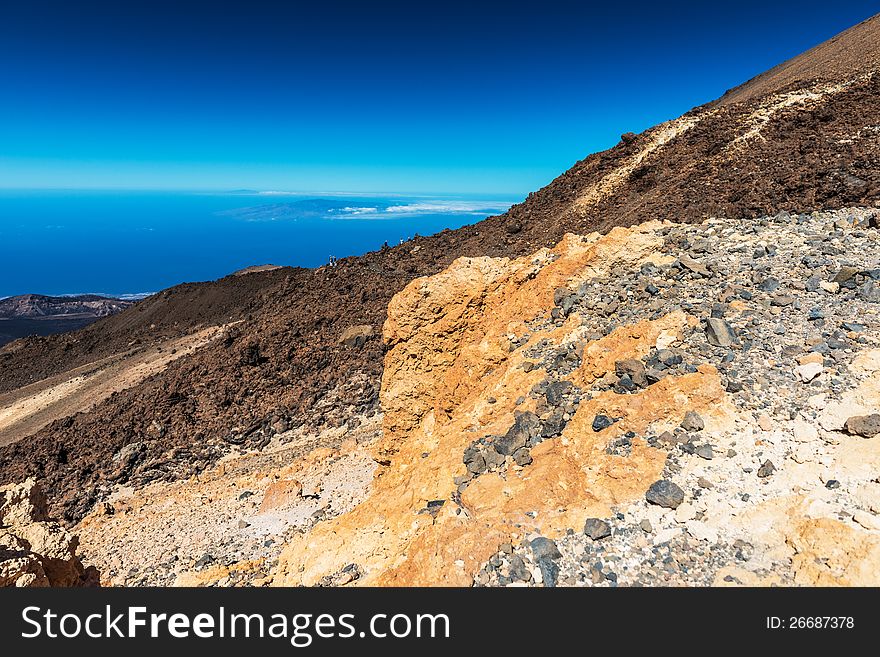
(627,408)
(34,550)
(470,357)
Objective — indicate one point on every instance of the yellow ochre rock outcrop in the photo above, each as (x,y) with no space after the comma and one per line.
(36,551)
(460,368)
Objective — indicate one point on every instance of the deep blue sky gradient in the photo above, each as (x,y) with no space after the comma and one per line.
(448,96)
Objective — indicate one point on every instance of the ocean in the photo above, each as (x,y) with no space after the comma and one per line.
(130,243)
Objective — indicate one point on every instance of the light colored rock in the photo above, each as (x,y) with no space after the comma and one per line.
(804,431)
(867,520)
(835,415)
(684,512)
(702,531)
(803,454)
(21,504)
(831,287)
(818,401)
(666,535)
(36,551)
(808,372)
(666,339)
(868,493)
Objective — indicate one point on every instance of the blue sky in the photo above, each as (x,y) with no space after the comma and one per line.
(390,96)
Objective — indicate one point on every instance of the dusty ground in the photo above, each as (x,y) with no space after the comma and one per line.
(226,526)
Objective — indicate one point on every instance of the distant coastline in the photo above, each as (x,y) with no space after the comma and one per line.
(35,314)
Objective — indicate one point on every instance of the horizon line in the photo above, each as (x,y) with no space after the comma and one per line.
(266,192)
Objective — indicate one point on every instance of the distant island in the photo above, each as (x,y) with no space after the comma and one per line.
(36,314)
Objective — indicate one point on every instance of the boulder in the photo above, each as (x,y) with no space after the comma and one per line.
(867,426)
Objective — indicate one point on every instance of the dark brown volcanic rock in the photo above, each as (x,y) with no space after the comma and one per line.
(170,313)
(802,136)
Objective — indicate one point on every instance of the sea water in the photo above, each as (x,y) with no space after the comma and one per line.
(121,243)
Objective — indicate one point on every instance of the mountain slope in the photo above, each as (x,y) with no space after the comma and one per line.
(805,135)
(171,313)
(855,49)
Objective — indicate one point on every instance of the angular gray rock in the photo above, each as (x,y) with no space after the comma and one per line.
(524,426)
(665,493)
(544,548)
(596,528)
(635,369)
(719,333)
(692,422)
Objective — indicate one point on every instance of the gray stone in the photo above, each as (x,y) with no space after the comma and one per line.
(845,273)
(522,456)
(692,422)
(633,368)
(869,291)
(782,300)
(596,528)
(704,452)
(493,459)
(694,265)
(474,460)
(719,333)
(601,422)
(544,548)
(553,425)
(556,391)
(665,493)
(766,469)
(525,425)
(549,572)
(518,570)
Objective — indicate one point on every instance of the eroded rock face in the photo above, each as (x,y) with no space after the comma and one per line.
(470,352)
(35,550)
